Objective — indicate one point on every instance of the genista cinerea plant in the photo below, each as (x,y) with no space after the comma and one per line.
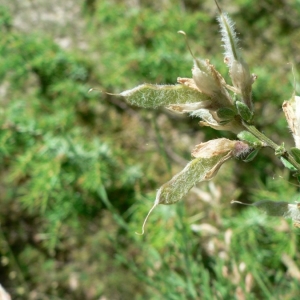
(222,106)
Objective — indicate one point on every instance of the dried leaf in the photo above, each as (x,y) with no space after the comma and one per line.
(206,229)
(291,110)
(188,82)
(233,125)
(213,148)
(210,82)
(3,294)
(292,267)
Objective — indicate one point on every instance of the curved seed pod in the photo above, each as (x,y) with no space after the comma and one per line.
(272,208)
(199,169)
(209,157)
(238,69)
(153,96)
(277,209)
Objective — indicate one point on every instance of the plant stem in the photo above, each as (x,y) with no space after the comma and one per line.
(261,136)
(281,151)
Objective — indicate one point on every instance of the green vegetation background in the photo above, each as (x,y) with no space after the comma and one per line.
(79,170)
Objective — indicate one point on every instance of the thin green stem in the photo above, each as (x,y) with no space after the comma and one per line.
(279,149)
(261,136)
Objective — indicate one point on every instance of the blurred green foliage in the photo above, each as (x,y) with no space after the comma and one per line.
(79,170)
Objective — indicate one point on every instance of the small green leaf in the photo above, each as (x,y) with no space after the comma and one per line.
(287,164)
(296,154)
(244,111)
(226,113)
(152,96)
(251,155)
(248,137)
